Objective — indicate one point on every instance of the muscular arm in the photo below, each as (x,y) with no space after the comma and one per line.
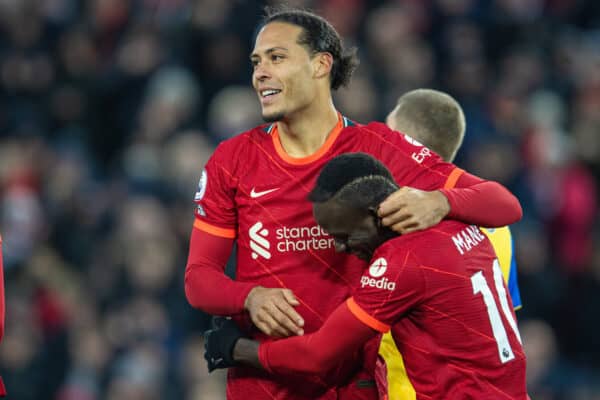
(472,199)
(206,285)
(316,353)
(466,198)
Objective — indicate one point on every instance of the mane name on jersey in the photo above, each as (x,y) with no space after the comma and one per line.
(467,238)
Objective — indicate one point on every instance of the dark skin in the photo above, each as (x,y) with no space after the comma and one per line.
(355,231)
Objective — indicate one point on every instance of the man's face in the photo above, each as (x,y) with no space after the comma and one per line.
(355,231)
(283,74)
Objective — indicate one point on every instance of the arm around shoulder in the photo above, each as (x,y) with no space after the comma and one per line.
(472,199)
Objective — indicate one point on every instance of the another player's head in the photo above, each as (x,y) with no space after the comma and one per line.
(297,57)
(345,200)
(433,118)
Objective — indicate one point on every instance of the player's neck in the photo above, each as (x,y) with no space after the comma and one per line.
(304,133)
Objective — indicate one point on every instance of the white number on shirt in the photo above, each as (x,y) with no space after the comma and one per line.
(480,285)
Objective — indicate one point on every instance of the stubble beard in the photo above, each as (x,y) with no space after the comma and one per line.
(278,116)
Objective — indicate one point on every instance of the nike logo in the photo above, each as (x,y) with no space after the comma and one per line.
(254,194)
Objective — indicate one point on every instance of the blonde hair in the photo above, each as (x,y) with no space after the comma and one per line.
(433,118)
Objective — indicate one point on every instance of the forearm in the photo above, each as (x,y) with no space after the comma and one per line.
(206,285)
(316,353)
(246,352)
(485,203)
(213,292)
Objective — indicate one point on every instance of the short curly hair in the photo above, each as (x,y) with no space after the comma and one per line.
(318,35)
(356,179)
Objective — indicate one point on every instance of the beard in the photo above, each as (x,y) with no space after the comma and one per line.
(277,116)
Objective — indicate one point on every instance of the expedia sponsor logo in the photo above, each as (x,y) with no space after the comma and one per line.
(285,240)
(376,270)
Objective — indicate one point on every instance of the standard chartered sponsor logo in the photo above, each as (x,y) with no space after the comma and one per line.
(286,239)
(258,242)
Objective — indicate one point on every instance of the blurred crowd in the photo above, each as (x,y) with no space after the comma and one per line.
(110,108)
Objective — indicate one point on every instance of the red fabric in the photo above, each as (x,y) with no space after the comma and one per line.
(423,285)
(321,351)
(434,292)
(473,199)
(206,285)
(251,190)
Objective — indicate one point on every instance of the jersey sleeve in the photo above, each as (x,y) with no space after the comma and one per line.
(319,352)
(215,198)
(411,163)
(206,285)
(414,165)
(391,285)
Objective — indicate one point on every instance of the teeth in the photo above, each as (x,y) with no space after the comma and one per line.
(269,92)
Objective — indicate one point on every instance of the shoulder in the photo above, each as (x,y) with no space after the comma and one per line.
(241,143)
(420,244)
(383,139)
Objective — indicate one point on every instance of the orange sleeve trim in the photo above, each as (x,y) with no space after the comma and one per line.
(453,178)
(365,318)
(333,135)
(214,230)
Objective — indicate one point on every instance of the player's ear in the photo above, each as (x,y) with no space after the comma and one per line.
(375,215)
(322,64)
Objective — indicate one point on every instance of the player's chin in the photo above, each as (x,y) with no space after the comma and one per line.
(272,116)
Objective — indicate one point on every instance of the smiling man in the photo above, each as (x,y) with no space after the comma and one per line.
(445,303)
(254,189)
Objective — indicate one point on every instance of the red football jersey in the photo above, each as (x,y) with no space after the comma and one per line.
(442,293)
(253,191)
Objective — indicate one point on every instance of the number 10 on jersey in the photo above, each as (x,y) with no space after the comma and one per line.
(480,285)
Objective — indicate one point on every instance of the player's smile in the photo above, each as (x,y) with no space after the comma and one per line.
(268,95)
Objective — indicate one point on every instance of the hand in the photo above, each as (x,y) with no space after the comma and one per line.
(409,210)
(219,343)
(272,311)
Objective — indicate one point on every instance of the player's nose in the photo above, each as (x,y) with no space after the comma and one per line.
(261,73)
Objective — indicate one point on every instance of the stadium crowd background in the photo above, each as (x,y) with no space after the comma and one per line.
(109,109)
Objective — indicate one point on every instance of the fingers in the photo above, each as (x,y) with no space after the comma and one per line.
(272,311)
(271,324)
(288,295)
(396,218)
(393,203)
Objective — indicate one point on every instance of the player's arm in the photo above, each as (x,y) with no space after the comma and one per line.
(432,189)
(206,285)
(209,289)
(470,201)
(316,353)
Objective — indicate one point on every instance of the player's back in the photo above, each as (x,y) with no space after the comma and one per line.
(460,338)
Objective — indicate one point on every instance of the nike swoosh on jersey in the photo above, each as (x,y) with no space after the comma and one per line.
(254,194)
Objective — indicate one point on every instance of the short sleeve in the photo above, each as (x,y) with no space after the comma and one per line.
(411,163)
(215,197)
(391,285)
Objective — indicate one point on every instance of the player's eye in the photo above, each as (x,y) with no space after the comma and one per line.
(276,57)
